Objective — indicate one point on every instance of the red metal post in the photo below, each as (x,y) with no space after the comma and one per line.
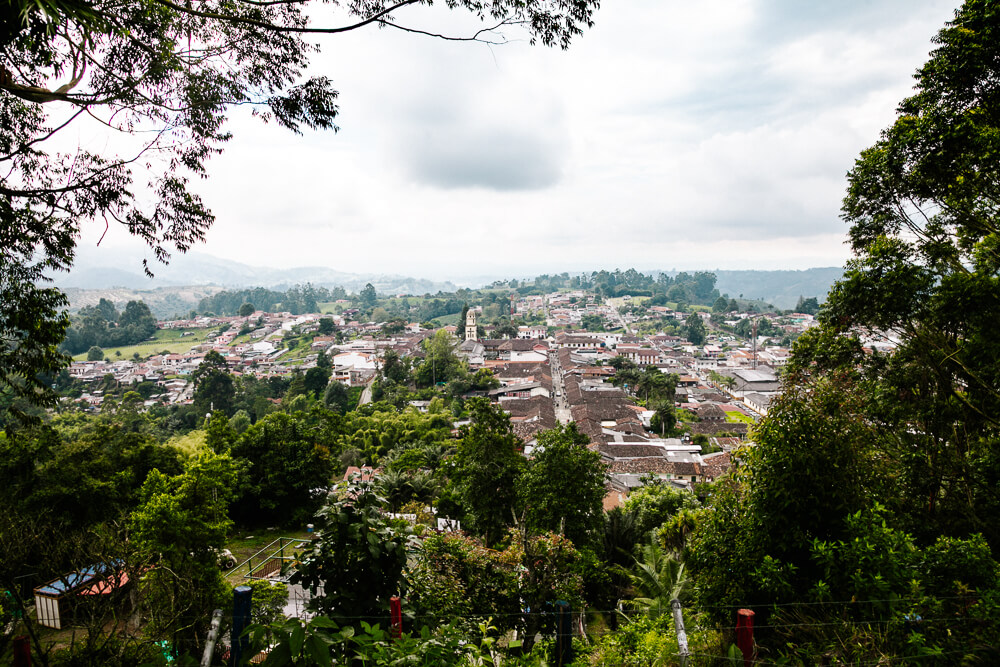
(744,635)
(22,651)
(396,617)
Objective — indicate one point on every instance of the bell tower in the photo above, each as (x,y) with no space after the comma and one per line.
(471,330)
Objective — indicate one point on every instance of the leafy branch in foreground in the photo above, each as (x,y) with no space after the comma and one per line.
(160,77)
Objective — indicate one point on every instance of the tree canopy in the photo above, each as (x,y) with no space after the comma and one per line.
(487,468)
(103,326)
(163,76)
(287,465)
(695,330)
(875,474)
(213,385)
(922,203)
(357,557)
(179,525)
(562,489)
(440,363)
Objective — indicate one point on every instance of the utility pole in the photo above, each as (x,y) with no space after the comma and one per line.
(753,364)
(213,636)
(682,639)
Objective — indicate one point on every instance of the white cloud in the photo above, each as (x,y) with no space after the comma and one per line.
(713,134)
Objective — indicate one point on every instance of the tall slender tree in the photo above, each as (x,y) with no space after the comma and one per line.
(562,489)
(488,466)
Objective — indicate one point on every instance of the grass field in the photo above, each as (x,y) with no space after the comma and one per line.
(445,320)
(733,417)
(164,339)
(672,305)
(331,307)
(245,338)
(618,301)
(301,350)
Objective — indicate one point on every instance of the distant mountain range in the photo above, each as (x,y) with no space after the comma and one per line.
(780,288)
(106,269)
(180,285)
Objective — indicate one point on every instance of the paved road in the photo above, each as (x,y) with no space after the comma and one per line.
(563,414)
(621,321)
(366,395)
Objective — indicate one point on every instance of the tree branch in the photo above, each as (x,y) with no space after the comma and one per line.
(375,18)
(473,38)
(22,147)
(87,181)
(36,94)
(258,3)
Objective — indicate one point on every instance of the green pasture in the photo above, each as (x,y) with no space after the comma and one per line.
(619,301)
(733,417)
(164,339)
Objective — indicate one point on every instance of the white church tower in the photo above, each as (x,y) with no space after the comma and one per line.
(471,330)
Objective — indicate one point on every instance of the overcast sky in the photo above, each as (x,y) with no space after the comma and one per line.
(710,134)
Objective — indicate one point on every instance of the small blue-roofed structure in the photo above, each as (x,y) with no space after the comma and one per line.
(94,579)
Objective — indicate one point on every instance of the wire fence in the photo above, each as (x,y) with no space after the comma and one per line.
(858,620)
(436,619)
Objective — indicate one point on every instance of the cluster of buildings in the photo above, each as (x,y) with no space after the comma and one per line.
(564,377)
(543,379)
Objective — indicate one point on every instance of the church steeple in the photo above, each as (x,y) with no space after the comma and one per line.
(471,330)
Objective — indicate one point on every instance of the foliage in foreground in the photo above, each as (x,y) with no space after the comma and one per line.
(864,526)
(652,641)
(322,642)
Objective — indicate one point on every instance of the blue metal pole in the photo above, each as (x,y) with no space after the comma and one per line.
(241,619)
(564,633)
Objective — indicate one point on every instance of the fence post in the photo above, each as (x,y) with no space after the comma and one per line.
(564,633)
(396,617)
(22,651)
(581,627)
(682,638)
(744,635)
(241,619)
(213,636)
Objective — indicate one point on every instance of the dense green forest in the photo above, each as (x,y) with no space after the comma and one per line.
(103,326)
(296,300)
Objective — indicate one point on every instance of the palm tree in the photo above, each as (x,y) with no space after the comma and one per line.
(675,531)
(400,487)
(652,382)
(395,486)
(665,415)
(628,378)
(620,536)
(435,454)
(422,486)
(658,578)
